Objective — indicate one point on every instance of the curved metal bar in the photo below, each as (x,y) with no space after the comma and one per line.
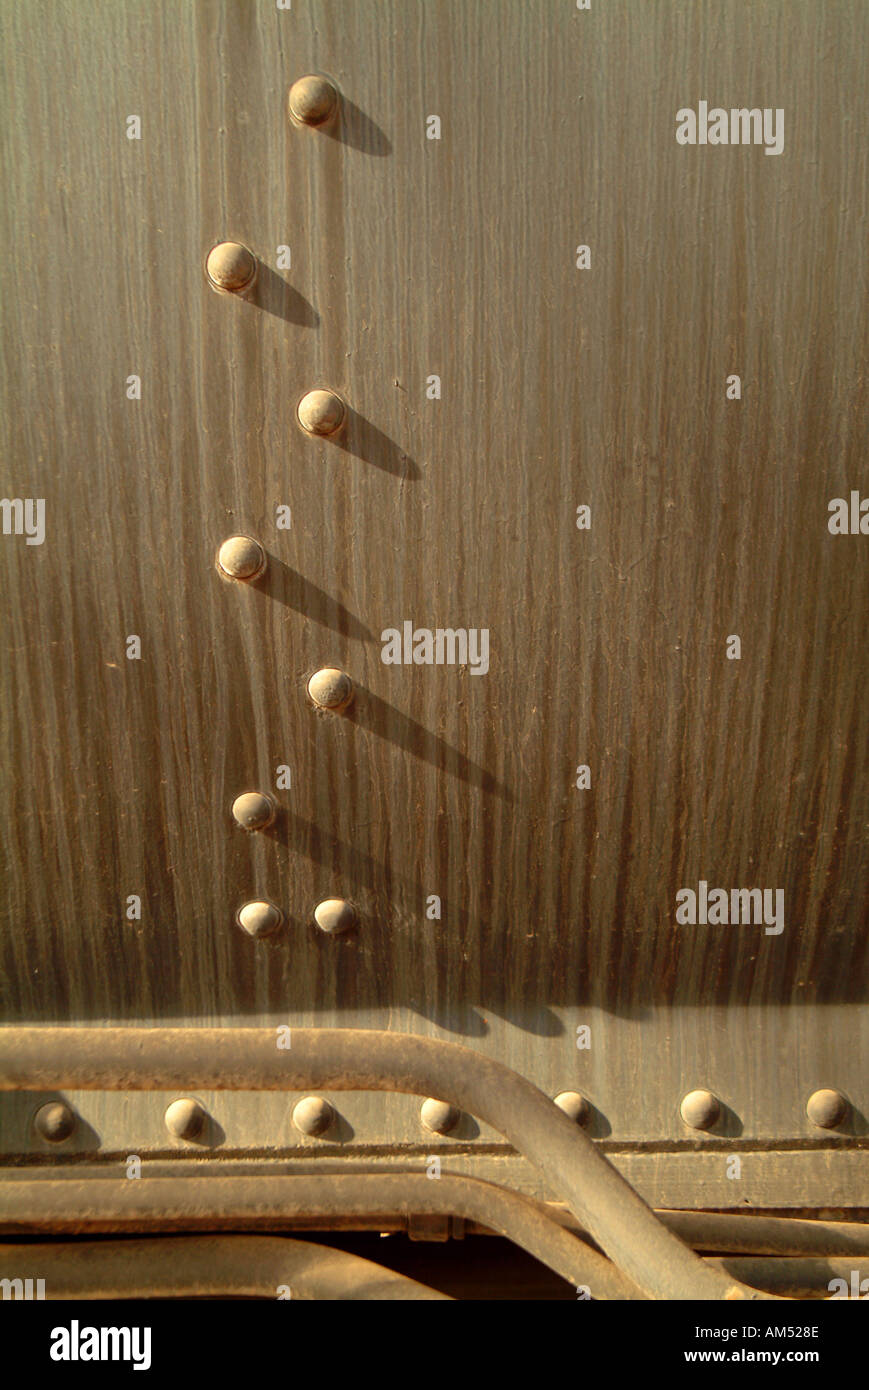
(78,1205)
(766,1235)
(217,1266)
(800,1276)
(739,1234)
(355,1060)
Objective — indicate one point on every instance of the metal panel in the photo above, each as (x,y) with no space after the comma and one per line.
(560,387)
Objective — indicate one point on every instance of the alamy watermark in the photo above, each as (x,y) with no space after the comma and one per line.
(443,646)
(75,1343)
(22,1289)
(736,907)
(858,1288)
(24,516)
(848,516)
(738,126)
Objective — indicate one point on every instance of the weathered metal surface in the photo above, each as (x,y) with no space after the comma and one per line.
(201,1266)
(380,1201)
(560,387)
(312,1203)
(245,1059)
(798,1277)
(817,1183)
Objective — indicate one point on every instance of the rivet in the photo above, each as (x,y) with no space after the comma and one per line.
(700,1109)
(313,100)
(331,688)
(313,1115)
(54,1122)
(321,412)
(230,267)
(575,1106)
(241,557)
(439,1116)
(827,1108)
(259,918)
(335,915)
(185,1119)
(253,810)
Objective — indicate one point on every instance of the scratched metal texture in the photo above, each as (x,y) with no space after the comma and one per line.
(560,387)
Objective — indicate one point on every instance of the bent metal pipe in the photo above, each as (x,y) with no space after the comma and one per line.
(245,1059)
(73,1205)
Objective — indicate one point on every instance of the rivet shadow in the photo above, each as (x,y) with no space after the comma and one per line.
(383,719)
(357,130)
(278,297)
(287,586)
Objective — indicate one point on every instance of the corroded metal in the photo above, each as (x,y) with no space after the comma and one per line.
(54,1122)
(379,1200)
(309,1202)
(330,688)
(313,100)
(507,382)
(350,1059)
(233,1266)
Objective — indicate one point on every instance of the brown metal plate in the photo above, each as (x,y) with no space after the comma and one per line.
(560,387)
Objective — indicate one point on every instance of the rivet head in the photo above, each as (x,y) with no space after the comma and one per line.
(185,1119)
(313,1115)
(827,1108)
(331,688)
(259,918)
(54,1122)
(230,267)
(321,412)
(253,810)
(313,100)
(439,1116)
(335,915)
(575,1106)
(700,1109)
(241,557)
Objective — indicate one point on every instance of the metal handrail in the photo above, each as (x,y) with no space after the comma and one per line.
(76,1206)
(355,1060)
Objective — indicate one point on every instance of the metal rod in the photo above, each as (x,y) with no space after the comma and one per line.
(800,1276)
(91,1205)
(767,1235)
(740,1234)
(354,1060)
(219,1266)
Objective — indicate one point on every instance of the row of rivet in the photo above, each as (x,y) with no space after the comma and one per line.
(186,1118)
(231,268)
(243,558)
(260,918)
(255,811)
(826,1108)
